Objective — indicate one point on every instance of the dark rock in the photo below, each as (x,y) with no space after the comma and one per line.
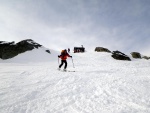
(146,57)
(101,49)
(5,47)
(136,55)
(120,56)
(48,51)
(10,49)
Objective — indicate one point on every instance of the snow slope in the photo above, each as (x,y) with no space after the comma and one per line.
(99,85)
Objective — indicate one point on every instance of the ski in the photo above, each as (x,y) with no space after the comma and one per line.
(66,70)
(71,71)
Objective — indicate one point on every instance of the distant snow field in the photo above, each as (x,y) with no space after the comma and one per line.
(31,83)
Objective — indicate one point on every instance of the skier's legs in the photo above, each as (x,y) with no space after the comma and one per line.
(65,64)
(62,62)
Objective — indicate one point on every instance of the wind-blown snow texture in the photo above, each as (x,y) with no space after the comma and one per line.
(99,85)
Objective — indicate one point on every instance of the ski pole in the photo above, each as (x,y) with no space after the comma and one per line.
(72,63)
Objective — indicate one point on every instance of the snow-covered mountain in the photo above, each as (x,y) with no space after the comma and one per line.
(35,55)
(100,84)
(25,51)
(11,49)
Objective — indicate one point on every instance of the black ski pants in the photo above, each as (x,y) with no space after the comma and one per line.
(62,62)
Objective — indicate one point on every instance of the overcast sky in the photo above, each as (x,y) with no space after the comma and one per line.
(122,25)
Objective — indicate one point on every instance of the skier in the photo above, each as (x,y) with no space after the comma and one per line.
(63,57)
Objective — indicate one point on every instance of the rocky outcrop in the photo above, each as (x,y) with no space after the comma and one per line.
(48,51)
(146,57)
(101,49)
(136,55)
(10,49)
(120,56)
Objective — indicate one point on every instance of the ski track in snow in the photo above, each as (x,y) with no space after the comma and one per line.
(99,85)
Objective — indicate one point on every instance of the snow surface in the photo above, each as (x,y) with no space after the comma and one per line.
(31,83)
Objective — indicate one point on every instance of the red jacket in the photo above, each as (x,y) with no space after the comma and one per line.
(64,57)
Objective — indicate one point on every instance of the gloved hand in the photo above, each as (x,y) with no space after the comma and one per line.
(58,56)
(71,56)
